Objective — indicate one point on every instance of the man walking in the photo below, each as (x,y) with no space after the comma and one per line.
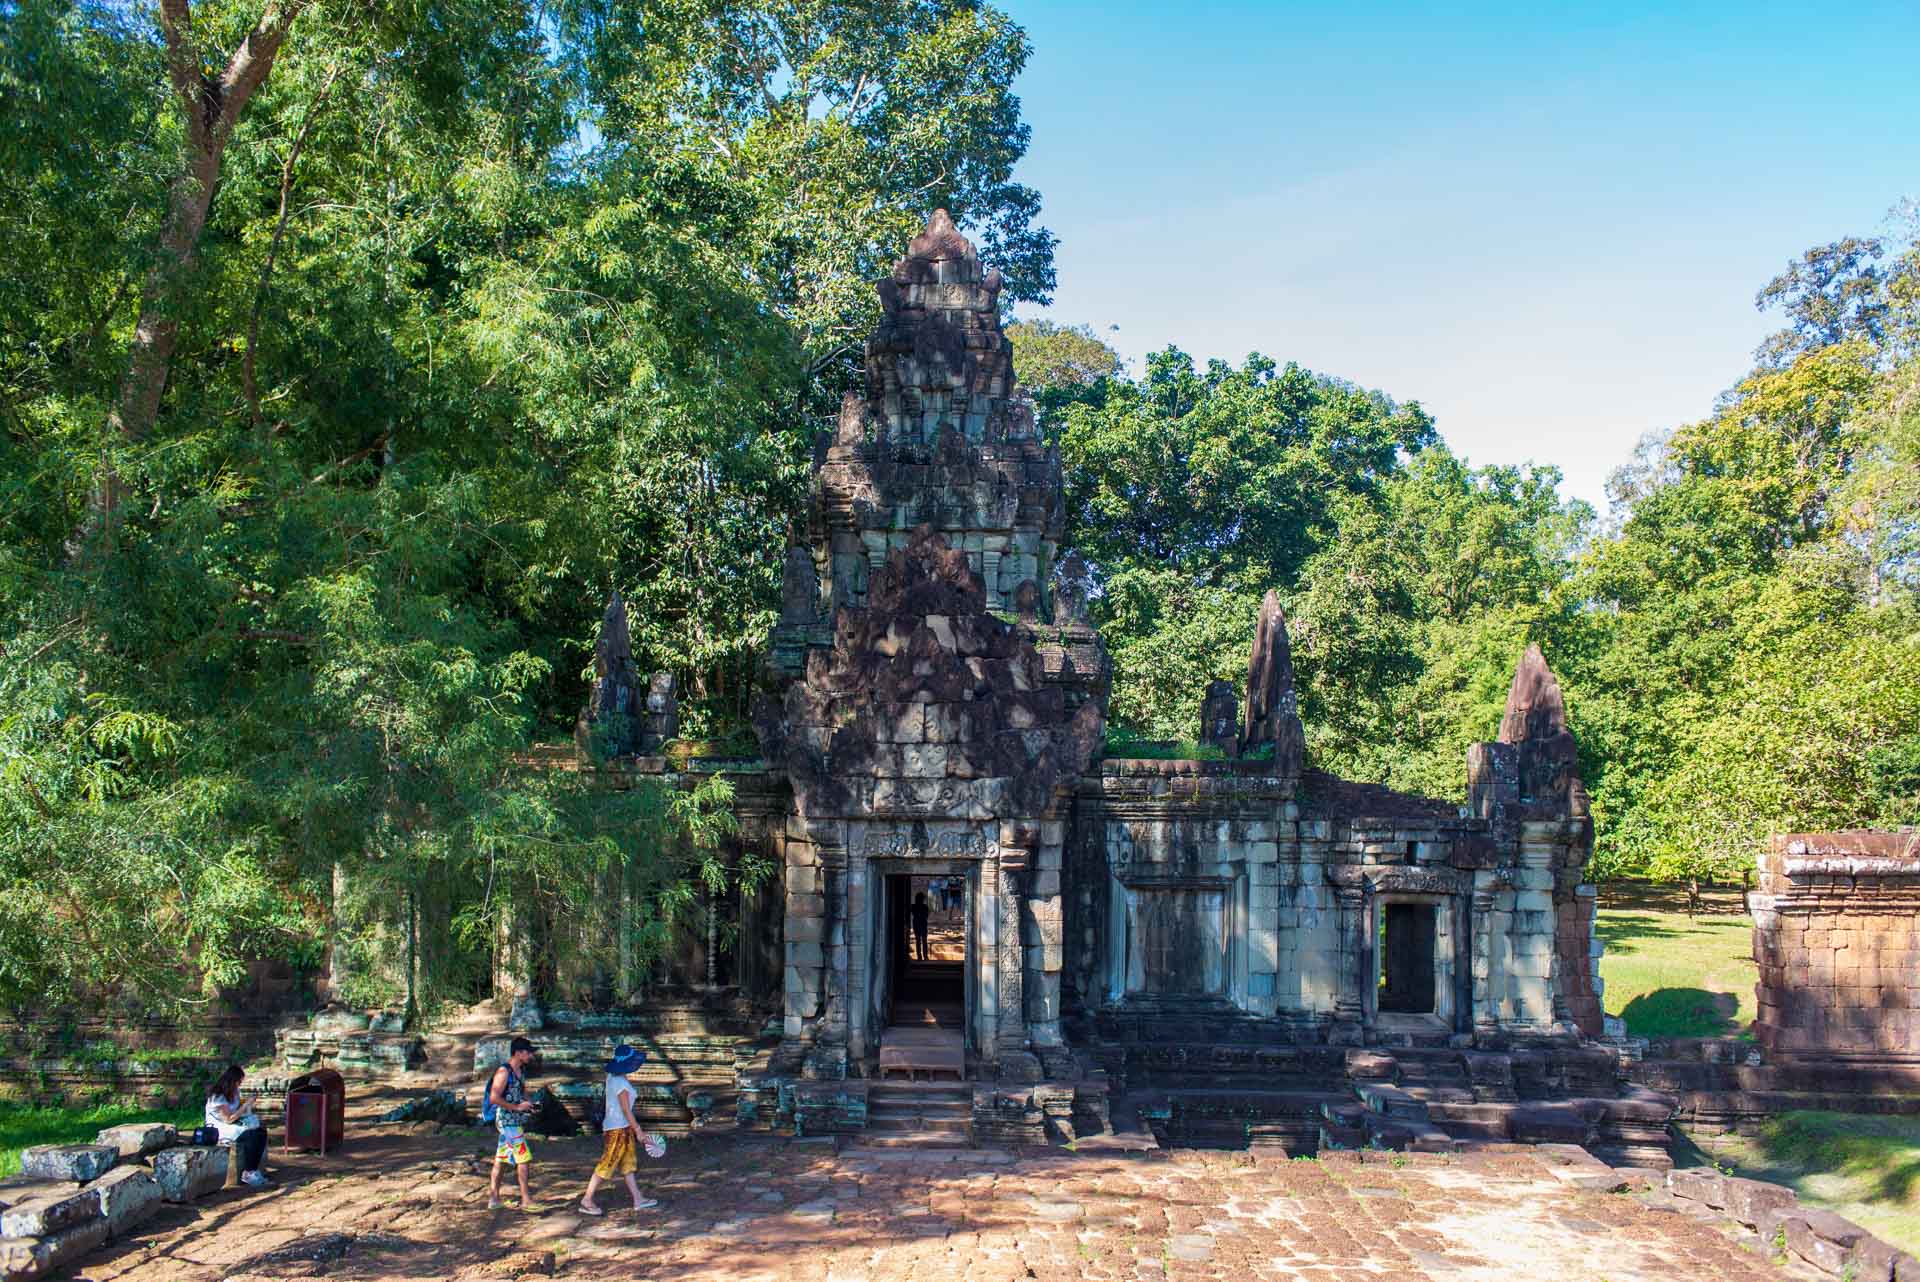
(507,1101)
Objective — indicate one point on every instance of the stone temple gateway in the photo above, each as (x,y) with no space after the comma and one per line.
(1237,950)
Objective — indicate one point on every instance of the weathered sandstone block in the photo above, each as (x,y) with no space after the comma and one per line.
(188,1173)
(77,1162)
(128,1198)
(136,1139)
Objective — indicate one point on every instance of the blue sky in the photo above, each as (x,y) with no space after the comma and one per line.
(1546,223)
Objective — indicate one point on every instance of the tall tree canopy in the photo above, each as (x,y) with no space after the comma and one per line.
(490,310)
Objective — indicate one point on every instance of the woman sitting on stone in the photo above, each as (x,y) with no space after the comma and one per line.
(232,1115)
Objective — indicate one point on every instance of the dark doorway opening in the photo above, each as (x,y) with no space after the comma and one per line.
(1407,934)
(926,1011)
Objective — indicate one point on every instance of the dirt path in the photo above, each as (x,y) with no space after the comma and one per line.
(408,1202)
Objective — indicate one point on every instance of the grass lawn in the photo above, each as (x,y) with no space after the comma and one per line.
(1865,1168)
(23,1126)
(1670,975)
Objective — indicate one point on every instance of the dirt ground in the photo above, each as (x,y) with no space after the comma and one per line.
(409,1201)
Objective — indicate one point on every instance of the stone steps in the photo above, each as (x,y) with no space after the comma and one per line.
(931,1115)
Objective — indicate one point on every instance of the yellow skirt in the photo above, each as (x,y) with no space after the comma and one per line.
(619,1157)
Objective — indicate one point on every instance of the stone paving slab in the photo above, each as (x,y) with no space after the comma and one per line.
(744,1208)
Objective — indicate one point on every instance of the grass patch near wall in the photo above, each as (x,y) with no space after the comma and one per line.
(1864,1168)
(1671,975)
(24,1125)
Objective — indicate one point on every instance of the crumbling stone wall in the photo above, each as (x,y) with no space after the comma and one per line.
(1836,933)
(1527,785)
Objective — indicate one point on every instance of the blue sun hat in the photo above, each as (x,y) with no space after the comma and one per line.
(625,1060)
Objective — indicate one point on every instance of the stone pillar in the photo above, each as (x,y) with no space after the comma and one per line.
(828,1057)
(1350,1003)
(1486,998)
(1012,1047)
(1044,941)
(863,1042)
(806,910)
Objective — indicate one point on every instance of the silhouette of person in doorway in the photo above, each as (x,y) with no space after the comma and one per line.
(920,911)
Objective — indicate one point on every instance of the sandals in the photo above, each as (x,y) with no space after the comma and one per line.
(585,1209)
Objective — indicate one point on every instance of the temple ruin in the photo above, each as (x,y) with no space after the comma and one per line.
(1232,950)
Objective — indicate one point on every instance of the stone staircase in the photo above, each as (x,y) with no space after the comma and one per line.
(919,1115)
(1434,1101)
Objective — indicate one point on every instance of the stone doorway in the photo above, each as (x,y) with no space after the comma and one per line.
(1408,944)
(923,1008)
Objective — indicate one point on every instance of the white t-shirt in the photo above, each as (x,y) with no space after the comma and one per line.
(614,1120)
(218,1117)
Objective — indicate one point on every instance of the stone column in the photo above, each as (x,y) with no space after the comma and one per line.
(1043,940)
(862,1041)
(1486,1011)
(806,909)
(829,1055)
(1012,1049)
(1349,1004)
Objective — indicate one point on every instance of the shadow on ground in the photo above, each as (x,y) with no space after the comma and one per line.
(1682,1012)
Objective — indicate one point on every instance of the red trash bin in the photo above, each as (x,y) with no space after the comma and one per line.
(316,1110)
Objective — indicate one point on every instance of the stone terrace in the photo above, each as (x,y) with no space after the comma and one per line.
(410,1202)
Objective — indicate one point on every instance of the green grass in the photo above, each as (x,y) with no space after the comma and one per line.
(1669,975)
(23,1125)
(1125,746)
(1865,1168)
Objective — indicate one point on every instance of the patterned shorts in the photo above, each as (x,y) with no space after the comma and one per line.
(513,1148)
(619,1156)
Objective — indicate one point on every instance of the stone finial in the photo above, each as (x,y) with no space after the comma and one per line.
(1535,709)
(1533,770)
(615,646)
(1273,706)
(940,240)
(799,588)
(1220,717)
(609,721)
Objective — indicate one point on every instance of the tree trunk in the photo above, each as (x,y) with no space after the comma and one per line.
(212,108)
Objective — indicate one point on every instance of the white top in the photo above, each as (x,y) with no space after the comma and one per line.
(219,1118)
(614,1119)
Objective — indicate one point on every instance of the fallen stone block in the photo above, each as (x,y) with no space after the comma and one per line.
(49,1213)
(137,1139)
(76,1162)
(24,1258)
(1823,1239)
(16,1189)
(128,1198)
(1874,1261)
(188,1173)
(1700,1185)
(1753,1202)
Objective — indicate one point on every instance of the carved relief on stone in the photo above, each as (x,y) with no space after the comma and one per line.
(799,589)
(942,708)
(1072,588)
(1220,717)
